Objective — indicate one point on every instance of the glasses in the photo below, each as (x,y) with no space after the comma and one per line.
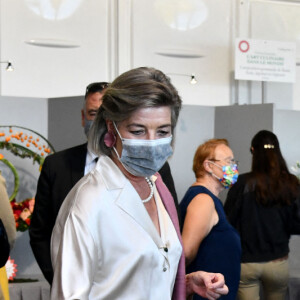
(96,87)
(230,162)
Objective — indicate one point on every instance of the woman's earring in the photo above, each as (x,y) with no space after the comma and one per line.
(109,139)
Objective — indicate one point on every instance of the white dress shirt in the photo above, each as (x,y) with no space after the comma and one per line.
(90,161)
(105,246)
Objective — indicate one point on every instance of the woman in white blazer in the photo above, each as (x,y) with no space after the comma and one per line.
(117,234)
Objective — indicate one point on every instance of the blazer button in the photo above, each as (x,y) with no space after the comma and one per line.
(165,269)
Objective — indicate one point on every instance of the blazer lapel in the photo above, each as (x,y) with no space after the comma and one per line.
(128,199)
(130,202)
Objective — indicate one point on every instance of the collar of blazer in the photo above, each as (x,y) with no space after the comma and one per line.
(127,198)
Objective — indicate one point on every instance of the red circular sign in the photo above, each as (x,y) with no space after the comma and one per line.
(244,46)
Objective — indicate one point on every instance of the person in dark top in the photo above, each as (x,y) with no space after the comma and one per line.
(262,207)
(209,241)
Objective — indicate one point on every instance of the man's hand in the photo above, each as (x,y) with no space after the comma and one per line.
(208,285)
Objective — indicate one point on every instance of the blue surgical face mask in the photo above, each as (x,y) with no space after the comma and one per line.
(87,126)
(144,157)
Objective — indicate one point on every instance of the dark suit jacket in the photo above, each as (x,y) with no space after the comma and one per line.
(166,175)
(60,172)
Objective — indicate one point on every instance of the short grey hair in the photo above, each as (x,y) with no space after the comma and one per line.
(135,89)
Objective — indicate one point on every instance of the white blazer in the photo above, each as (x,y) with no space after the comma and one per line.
(104,244)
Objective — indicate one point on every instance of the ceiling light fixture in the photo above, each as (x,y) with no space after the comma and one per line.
(9,66)
(192,77)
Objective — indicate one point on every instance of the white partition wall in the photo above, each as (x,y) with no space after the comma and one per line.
(238,124)
(195,125)
(286,127)
(64,122)
(26,112)
(181,37)
(56,47)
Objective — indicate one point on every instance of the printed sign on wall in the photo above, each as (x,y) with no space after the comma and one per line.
(263,60)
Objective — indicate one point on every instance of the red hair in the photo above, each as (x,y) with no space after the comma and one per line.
(206,151)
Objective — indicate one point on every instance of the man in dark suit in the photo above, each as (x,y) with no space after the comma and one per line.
(60,172)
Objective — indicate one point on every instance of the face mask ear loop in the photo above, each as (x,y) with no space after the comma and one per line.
(212,174)
(212,162)
(114,148)
(117,130)
(116,152)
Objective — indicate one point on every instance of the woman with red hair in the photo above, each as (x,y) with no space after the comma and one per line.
(210,243)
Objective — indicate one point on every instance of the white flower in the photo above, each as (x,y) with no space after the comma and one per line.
(296,169)
(11,268)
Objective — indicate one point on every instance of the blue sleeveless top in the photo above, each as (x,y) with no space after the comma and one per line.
(220,250)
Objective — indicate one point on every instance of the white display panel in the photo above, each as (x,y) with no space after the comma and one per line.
(277,20)
(182,37)
(56,47)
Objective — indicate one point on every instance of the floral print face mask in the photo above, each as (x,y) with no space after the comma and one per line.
(230,175)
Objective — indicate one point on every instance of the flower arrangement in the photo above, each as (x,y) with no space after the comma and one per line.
(22,210)
(11,269)
(24,143)
(14,171)
(22,213)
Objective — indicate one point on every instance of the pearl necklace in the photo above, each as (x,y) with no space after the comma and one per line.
(151,190)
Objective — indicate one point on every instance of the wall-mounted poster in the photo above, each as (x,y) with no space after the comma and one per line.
(263,60)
